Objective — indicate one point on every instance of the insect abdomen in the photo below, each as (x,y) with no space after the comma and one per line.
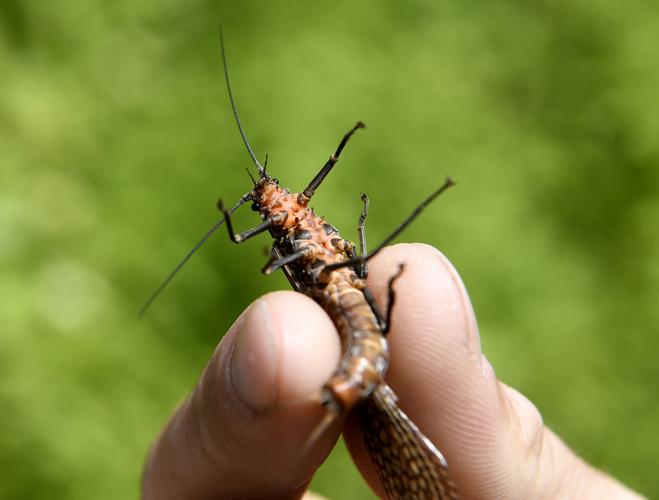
(365,349)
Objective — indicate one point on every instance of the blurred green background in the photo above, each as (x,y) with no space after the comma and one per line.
(116,140)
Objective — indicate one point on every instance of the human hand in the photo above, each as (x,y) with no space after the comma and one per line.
(241,433)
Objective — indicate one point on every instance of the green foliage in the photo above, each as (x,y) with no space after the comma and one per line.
(117,139)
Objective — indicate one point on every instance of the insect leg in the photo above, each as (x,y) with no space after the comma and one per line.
(275,264)
(239,238)
(410,218)
(277,253)
(320,176)
(362,269)
(384,320)
(391,297)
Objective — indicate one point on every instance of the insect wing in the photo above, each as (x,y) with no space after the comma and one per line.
(408,464)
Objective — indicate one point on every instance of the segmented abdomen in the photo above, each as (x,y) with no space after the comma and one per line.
(365,351)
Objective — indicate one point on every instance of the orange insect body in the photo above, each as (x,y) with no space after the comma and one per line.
(339,292)
(290,212)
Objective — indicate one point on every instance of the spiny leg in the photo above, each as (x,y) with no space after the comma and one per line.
(273,264)
(362,269)
(320,176)
(391,297)
(410,218)
(384,321)
(239,238)
(277,253)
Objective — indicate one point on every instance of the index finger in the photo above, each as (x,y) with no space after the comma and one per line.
(493,438)
(437,369)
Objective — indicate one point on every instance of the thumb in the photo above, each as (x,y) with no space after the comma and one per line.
(493,438)
(241,431)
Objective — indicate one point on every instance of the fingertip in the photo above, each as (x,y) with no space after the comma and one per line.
(309,346)
(285,348)
(242,430)
(255,358)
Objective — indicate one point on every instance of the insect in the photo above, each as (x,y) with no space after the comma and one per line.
(321,264)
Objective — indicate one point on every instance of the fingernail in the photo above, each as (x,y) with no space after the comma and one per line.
(254,358)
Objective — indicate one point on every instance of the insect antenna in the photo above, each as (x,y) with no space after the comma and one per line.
(251,176)
(235,110)
(178,267)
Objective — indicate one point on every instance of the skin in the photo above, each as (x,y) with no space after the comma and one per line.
(242,432)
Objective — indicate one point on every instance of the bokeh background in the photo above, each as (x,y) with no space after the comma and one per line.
(116,140)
